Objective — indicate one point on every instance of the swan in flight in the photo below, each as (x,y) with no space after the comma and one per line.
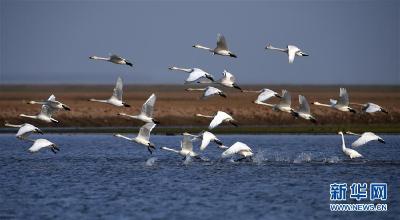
(143,136)
(349,152)
(186,147)
(371,107)
(44,115)
(218,119)
(206,137)
(238,148)
(113,59)
(24,130)
(146,115)
(227,80)
(195,74)
(208,91)
(264,95)
(116,98)
(304,110)
(51,101)
(221,49)
(283,105)
(291,50)
(365,138)
(43,143)
(342,104)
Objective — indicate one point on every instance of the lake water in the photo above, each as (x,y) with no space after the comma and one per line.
(100,176)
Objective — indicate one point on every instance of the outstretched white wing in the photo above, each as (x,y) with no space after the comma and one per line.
(145,130)
(286,98)
(39,144)
(25,129)
(265,95)
(186,143)
(196,74)
(117,93)
(148,106)
(206,138)
(304,106)
(236,148)
(343,97)
(51,98)
(211,91)
(229,76)
(365,138)
(221,42)
(371,107)
(218,119)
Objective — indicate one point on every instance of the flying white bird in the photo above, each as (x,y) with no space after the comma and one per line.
(44,115)
(206,137)
(116,98)
(349,152)
(186,147)
(195,74)
(342,104)
(238,148)
(264,95)
(291,50)
(24,130)
(283,105)
(208,91)
(304,110)
(227,80)
(365,138)
(52,102)
(371,107)
(146,115)
(43,143)
(218,119)
(143,136)
(221,49)
(113,59)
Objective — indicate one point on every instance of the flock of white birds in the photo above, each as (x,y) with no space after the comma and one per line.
(199,76)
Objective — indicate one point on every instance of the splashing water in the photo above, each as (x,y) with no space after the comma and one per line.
(303,157)
(333,159)
(188,160)
(151,161)
(259,158)
(281,158)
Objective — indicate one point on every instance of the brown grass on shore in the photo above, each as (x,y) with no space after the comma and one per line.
(175,106)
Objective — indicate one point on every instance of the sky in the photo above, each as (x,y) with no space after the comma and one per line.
(349,42)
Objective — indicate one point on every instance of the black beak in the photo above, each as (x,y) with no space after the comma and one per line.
(128,63)
(352,110)
(237,87)
(156,121)
(381,140)
(234,123)
(277,95)
(384,111)
(66,108)
(210,78)
(295,114)
(232,55)
(126,104)
(305,55)
(222,94)
(218,142)
(313,120)
(39,131)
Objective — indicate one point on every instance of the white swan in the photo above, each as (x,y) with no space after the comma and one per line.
(143,136)
(342,104)
(146,114)
(238,148)
(44,115)
(113,59)
(349,152)
(186,147)
(116,98)
(370,107)
(304,110)
(218,119)
(208,91)
(206,137)
(365,138)
(51,101)
(43,143)
(227,80)
(264,95)
(24,130)
(195,74)
(221,49)
(283,105)
(291,50)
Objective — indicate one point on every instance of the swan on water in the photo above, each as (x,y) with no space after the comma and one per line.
(143,136)
(186,147)
(238,148)
(146,114)
(342,104)
(116,98)
(347,151)
(113,59)
(365,138)
(24,130)
(221,49)
(218,119)
(291,50)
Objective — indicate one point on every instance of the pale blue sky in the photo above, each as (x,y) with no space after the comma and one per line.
(349,42)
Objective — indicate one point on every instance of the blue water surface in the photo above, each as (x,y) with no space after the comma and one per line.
(98,176)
